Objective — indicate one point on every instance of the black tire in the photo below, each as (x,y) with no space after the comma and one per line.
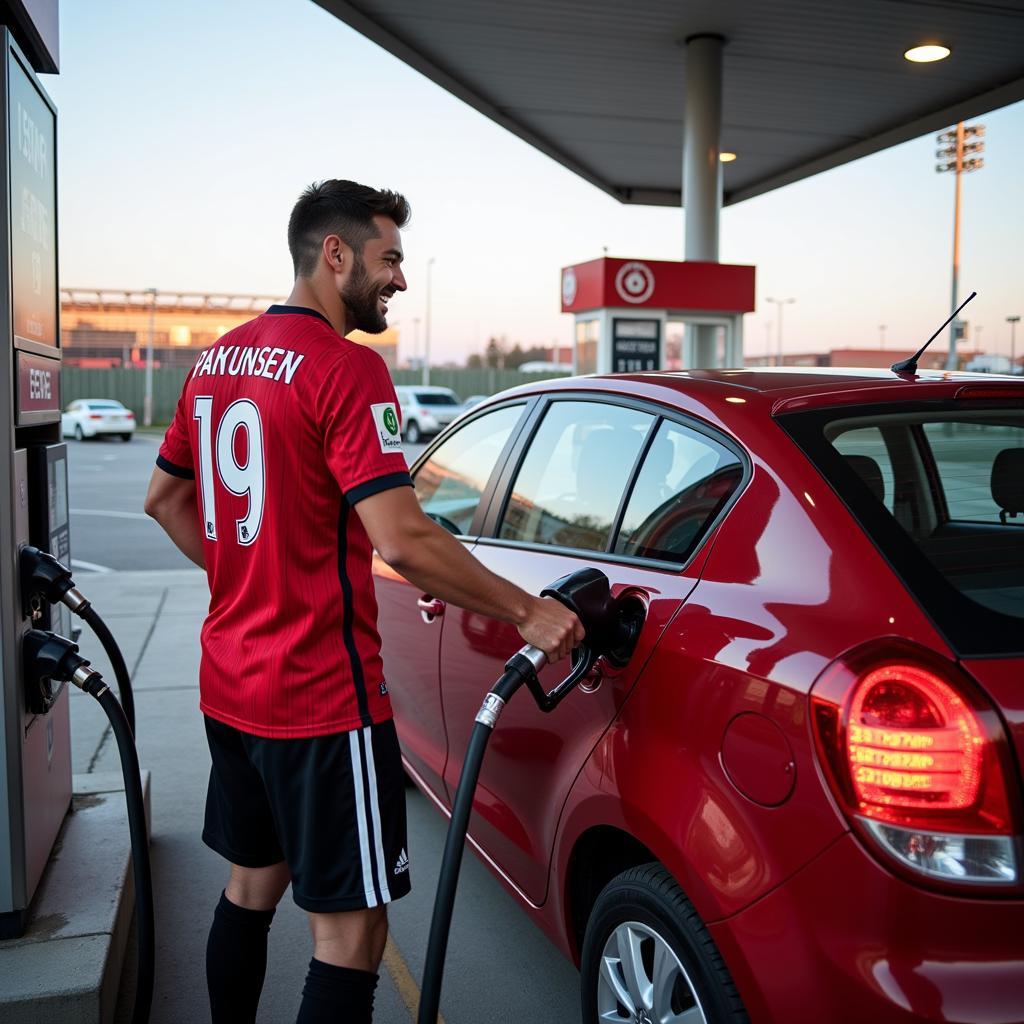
(126,438)
(413,434)
(79,436)
(648,902)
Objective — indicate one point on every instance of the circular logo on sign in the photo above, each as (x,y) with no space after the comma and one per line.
(634,282)
(391,421)
(568,287)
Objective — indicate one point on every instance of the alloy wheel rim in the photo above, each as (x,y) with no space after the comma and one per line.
(642,981)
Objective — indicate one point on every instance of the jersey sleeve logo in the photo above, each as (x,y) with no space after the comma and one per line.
(385,422)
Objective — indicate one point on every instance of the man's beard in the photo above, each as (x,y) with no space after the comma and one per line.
(361,295)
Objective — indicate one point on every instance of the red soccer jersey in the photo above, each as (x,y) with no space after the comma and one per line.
(286,426)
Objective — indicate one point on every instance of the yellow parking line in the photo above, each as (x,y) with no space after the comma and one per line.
(403,979)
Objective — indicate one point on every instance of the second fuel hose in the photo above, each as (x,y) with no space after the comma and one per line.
(47,656)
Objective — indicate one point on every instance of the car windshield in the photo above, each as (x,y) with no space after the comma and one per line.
(940,490)
(436,399)
(105,405)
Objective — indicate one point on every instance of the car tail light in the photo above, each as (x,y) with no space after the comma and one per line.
(918,761)
(129,414)
(95,416)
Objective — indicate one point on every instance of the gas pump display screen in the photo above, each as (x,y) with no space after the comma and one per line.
(58,488)
(59,533)
(636,345)
(33,206)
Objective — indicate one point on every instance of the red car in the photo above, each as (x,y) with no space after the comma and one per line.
(801,799)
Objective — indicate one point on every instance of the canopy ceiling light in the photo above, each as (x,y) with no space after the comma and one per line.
(727,158)
(927,53)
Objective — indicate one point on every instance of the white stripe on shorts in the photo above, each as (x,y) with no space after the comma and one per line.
(371,771)
(364,839)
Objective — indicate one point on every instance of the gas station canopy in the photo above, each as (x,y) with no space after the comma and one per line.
(808,85)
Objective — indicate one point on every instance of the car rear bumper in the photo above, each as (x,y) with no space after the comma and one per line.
(846,942)
(107,428)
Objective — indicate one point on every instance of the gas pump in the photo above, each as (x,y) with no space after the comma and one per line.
(35,741)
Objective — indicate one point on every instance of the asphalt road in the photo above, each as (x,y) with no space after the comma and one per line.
(107,481)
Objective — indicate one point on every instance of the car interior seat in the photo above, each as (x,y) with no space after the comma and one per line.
(870,473)
(1008,482)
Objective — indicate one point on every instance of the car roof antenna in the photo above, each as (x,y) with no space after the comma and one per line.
(910,365)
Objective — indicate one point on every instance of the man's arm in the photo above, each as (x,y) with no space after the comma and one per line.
(431,558)
(171,501)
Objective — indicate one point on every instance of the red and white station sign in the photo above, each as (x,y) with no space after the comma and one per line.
(658,284)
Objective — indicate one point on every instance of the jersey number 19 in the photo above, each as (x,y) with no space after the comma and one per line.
(218,461)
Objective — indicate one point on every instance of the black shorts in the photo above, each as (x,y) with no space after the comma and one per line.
(332,806)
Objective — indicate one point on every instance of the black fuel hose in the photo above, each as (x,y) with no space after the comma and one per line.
(124,683)
(144,921)
(515,675)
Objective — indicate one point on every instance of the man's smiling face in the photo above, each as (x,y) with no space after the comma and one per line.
(375,276)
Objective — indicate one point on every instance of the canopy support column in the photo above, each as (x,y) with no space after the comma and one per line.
(702,173)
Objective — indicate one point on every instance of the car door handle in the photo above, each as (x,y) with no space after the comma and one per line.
(430,607)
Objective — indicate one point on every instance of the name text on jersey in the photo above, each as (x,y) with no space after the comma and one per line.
(236,361)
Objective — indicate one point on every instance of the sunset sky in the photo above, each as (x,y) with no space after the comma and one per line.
(187,131)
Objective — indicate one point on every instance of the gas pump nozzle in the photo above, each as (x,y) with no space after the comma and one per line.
(612,628)
(41,573)
(49,662)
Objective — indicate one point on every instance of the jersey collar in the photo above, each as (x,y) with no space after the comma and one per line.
(299,311)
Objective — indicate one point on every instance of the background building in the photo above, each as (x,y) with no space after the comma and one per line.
(105,328)
(882,358)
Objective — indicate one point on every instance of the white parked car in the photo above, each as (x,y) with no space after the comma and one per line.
(426,410)
(88,417)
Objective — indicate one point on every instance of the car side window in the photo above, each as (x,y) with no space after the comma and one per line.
(449,484)
(685,480)
(572,479)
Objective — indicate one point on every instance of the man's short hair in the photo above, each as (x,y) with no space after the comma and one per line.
(343,208)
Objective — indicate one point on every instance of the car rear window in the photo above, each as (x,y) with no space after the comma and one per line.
(940,490)
(105,405)
(430,399)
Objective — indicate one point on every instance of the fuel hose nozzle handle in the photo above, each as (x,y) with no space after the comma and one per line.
(41,573)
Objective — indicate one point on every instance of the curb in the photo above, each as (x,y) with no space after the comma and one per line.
(66,968)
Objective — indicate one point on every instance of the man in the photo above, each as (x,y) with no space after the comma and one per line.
(292,431)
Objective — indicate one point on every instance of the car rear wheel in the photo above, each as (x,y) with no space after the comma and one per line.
(413,433)
(79,436)
(126,437)
(648,959)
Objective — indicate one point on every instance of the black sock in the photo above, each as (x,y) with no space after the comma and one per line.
(236,961)
(337,995)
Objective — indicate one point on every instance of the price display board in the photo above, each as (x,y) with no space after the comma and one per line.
(31,147)
(636,345)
